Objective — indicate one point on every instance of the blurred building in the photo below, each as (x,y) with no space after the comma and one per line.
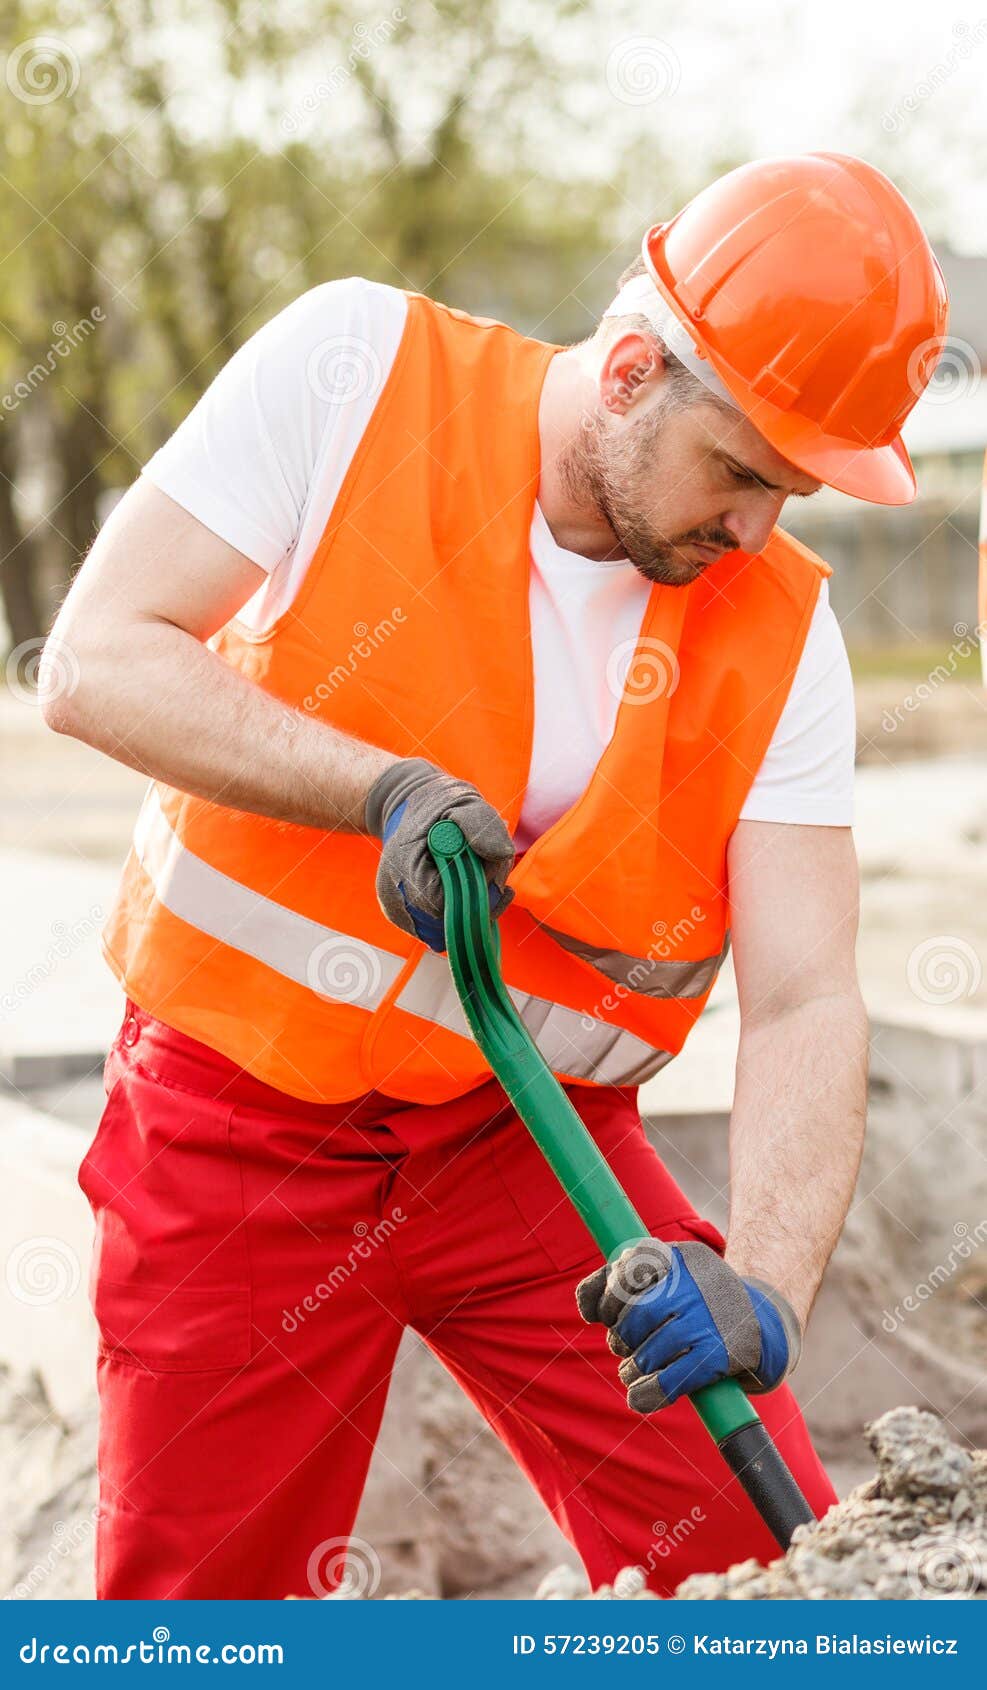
(907,578)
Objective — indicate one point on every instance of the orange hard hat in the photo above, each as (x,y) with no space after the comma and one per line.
(809,285)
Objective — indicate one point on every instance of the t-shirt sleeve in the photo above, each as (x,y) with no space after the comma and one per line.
(807,772)
(244,459)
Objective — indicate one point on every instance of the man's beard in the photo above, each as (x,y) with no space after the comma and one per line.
(607,470)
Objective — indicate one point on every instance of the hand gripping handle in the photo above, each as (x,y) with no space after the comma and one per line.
(473,944)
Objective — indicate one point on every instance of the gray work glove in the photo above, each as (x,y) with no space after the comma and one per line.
(402,805)
(681,1318)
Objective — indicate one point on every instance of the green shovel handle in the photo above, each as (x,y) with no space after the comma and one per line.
(473,944)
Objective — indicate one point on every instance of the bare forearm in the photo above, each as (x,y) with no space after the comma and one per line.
(158,700)
(796,1136)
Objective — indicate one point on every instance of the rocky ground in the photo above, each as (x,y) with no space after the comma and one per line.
(917,1529)
(902,1314)
(47,1479)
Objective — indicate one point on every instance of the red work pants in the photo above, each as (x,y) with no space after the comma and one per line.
(257,1260)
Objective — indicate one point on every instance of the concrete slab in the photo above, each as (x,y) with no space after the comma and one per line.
(47,1232)
(59,1004)
(918,816)
(700,1080)
(61,795)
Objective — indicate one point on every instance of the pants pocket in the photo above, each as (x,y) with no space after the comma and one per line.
(170,1283)
(169,1330)
(547,1213)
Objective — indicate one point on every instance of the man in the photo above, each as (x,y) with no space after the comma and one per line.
(401,564)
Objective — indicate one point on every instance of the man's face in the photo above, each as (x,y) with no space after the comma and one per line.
(678,485)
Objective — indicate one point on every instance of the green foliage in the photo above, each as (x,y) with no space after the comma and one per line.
(172,174)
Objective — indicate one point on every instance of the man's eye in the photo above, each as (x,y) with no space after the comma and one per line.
(743,479)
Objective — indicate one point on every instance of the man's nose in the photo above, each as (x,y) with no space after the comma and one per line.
(752,519)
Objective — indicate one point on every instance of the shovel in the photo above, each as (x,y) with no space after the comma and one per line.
(473,944)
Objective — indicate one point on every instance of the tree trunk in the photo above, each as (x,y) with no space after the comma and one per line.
(19,558)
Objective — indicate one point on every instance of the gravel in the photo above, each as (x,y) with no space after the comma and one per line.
(917,1529)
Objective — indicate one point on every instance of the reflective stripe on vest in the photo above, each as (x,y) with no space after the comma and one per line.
(333,964)
(573,1044)
(652,977)
(345,969)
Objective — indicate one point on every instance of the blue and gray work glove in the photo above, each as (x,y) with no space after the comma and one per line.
(680,1318)
(402,805)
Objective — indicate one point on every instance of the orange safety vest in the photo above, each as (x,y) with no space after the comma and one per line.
(266,941)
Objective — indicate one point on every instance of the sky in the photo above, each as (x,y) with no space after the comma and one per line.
(900,81)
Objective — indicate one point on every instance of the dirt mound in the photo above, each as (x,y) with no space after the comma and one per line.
(918,1529)
(48,1482)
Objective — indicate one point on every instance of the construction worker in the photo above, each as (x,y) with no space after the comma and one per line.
(400,564)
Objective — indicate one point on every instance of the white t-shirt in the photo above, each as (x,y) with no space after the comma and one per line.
(262,456)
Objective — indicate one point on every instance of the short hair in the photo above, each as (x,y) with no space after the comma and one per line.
(686,388)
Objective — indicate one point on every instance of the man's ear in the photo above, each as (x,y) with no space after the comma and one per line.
(632,362)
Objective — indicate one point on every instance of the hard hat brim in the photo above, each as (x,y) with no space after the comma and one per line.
(883,475)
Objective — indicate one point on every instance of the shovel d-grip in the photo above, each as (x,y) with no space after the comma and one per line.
(473,944)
